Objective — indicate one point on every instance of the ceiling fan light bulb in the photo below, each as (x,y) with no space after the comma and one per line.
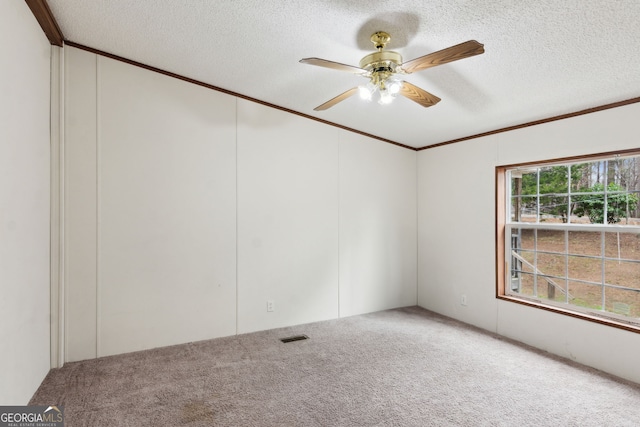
(394,86)
(364,93)
(385,97)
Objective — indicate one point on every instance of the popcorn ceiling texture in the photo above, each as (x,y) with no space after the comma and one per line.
(542,58)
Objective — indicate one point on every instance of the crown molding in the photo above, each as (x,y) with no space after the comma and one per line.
(537,122)
(41,11)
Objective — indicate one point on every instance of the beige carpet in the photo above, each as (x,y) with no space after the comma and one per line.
(405,367)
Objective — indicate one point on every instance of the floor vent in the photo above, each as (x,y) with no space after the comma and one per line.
(294,338)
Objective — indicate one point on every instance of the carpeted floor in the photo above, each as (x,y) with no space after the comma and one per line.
(404,367)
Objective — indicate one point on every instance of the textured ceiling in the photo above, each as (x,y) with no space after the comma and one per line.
(542,58)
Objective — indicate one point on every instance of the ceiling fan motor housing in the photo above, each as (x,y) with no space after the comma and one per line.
(386,60)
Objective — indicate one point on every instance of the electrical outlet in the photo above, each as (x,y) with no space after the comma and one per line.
(463,299)
(270,306)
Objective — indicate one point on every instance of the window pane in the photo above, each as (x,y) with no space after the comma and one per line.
(585,175)
(524,209)
(575,219)
(585,295)
(585,243)
(626,303)
(554,208)
(551,265)
(528,179)
(524,260)
(585,268)
(551,240)
(527,239)
(524,194)
(516,196)
(524,284)
(580,177)
(551,288)
(622,273)
(622,245)
(621,205)
(588,207)
(554,180)
(516,209)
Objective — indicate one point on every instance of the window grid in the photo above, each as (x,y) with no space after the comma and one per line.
(603,260)
(515,224)
(539,276)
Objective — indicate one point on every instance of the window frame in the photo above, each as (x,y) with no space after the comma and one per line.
(503,224)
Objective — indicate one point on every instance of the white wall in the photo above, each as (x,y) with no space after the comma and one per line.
(166,210)
(150,210)
(326,221)
(24,203)
(173,189)
(80,209)
(456,231)
(457,235)
(287,218)
(378,238)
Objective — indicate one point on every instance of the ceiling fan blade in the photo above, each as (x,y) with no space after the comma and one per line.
(333,65)
(333,101)
(418,95)
(453,53)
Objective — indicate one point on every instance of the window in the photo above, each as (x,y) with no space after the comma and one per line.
(569,237)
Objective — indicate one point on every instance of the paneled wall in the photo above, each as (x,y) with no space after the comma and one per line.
(80,203)
(166,210)
(24,203)
(287,218)
(378,236)
(188,209)
(457,235)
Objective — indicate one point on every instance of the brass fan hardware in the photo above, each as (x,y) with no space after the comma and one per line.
(383,68)
(380,39)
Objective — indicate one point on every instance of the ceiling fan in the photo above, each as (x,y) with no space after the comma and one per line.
(384,67)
